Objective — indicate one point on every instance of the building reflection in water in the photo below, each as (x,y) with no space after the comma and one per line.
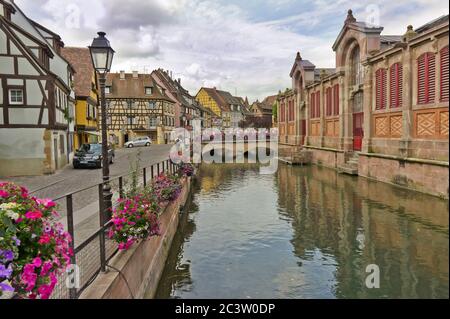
(323,230)
(361,222)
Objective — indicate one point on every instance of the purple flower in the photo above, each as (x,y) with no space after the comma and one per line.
(5,272)
(8,255)
(5,287)
(16,240)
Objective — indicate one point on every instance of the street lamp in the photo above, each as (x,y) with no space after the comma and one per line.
(102,56)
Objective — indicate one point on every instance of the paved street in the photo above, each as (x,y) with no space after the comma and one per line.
(70,180)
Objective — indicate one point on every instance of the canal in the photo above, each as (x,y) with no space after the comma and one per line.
(306,232)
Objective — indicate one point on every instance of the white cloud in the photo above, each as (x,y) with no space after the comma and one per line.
(215,43)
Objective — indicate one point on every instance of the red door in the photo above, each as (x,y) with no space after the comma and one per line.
(358,131)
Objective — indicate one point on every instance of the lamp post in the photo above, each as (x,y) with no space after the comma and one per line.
(102,55)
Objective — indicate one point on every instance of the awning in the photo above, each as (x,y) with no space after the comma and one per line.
(93,133)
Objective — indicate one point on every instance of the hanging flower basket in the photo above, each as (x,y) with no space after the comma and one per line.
(34,249)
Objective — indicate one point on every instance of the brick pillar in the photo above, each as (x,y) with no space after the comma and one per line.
(342,120)
(407,98)
(322,115)
(347,114)
(367,109)
(307,115)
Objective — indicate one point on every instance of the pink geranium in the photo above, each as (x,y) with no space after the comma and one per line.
(33,215)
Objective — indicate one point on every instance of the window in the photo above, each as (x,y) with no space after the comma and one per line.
(108,90)
(291,111)
(148,90)
(16,96)
(312,104)
(130,120)
(356,67)
(426,78)
(61,144)
(329,101)
(283,114)
(444,75)
(396,85)
(380,88)
(317,112)
(336,100)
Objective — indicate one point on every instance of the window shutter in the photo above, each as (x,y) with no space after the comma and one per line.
(318,104)
(312,105)
(380,89)
(396,85)
(329,102)
(444,75)
(336,100)
(426,72)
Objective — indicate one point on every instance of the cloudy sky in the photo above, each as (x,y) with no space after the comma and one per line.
(242,46)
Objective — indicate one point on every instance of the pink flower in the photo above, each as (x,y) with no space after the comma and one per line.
(48,203)
(45,291)
(37,262)
(46,268)
(45,239)
(33,215)
(3,193)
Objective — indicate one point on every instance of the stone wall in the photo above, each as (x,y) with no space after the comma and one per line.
(423,176)
(142,265)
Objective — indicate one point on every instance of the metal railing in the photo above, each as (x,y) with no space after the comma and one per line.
(92,249)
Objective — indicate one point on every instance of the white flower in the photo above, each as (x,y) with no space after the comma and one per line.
(12,215)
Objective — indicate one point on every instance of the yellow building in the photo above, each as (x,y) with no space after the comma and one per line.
(86,95)
(210,100)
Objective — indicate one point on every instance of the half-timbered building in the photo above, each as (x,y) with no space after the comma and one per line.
(137,106)
(382,112)
(35,96)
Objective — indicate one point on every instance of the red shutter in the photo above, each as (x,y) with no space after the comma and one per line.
(318,104)
(426,68)
(336,100)
(380,89)
(312,106)
(444,75)
(329,102)
(396,85)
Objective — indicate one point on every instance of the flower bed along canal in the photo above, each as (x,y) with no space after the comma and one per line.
(306,232)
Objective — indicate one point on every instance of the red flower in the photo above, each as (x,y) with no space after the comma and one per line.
(33,215)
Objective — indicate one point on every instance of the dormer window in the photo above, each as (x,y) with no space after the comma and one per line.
(148,90)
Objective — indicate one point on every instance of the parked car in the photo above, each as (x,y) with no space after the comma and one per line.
(141,141)
(90,155)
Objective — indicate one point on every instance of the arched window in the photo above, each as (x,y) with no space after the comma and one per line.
(426,75)
(356,67)
(396,85)
(380,87)
(444,75)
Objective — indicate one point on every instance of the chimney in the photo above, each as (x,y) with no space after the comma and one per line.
(122,75)
(179,81)
(171,75)
(135,74)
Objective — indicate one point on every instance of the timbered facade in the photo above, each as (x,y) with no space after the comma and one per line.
(382,112)
(35,96)
(137,106)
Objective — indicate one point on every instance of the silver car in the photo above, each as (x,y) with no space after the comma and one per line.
(141,141)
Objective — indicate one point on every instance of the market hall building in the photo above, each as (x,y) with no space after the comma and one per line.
(382,113)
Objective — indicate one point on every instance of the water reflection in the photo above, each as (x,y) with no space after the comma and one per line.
(306,233)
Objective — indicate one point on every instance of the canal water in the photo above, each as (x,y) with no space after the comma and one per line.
(306,232)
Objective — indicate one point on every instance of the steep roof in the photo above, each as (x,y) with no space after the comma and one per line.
(220,101)
(131,87)
(80,59)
